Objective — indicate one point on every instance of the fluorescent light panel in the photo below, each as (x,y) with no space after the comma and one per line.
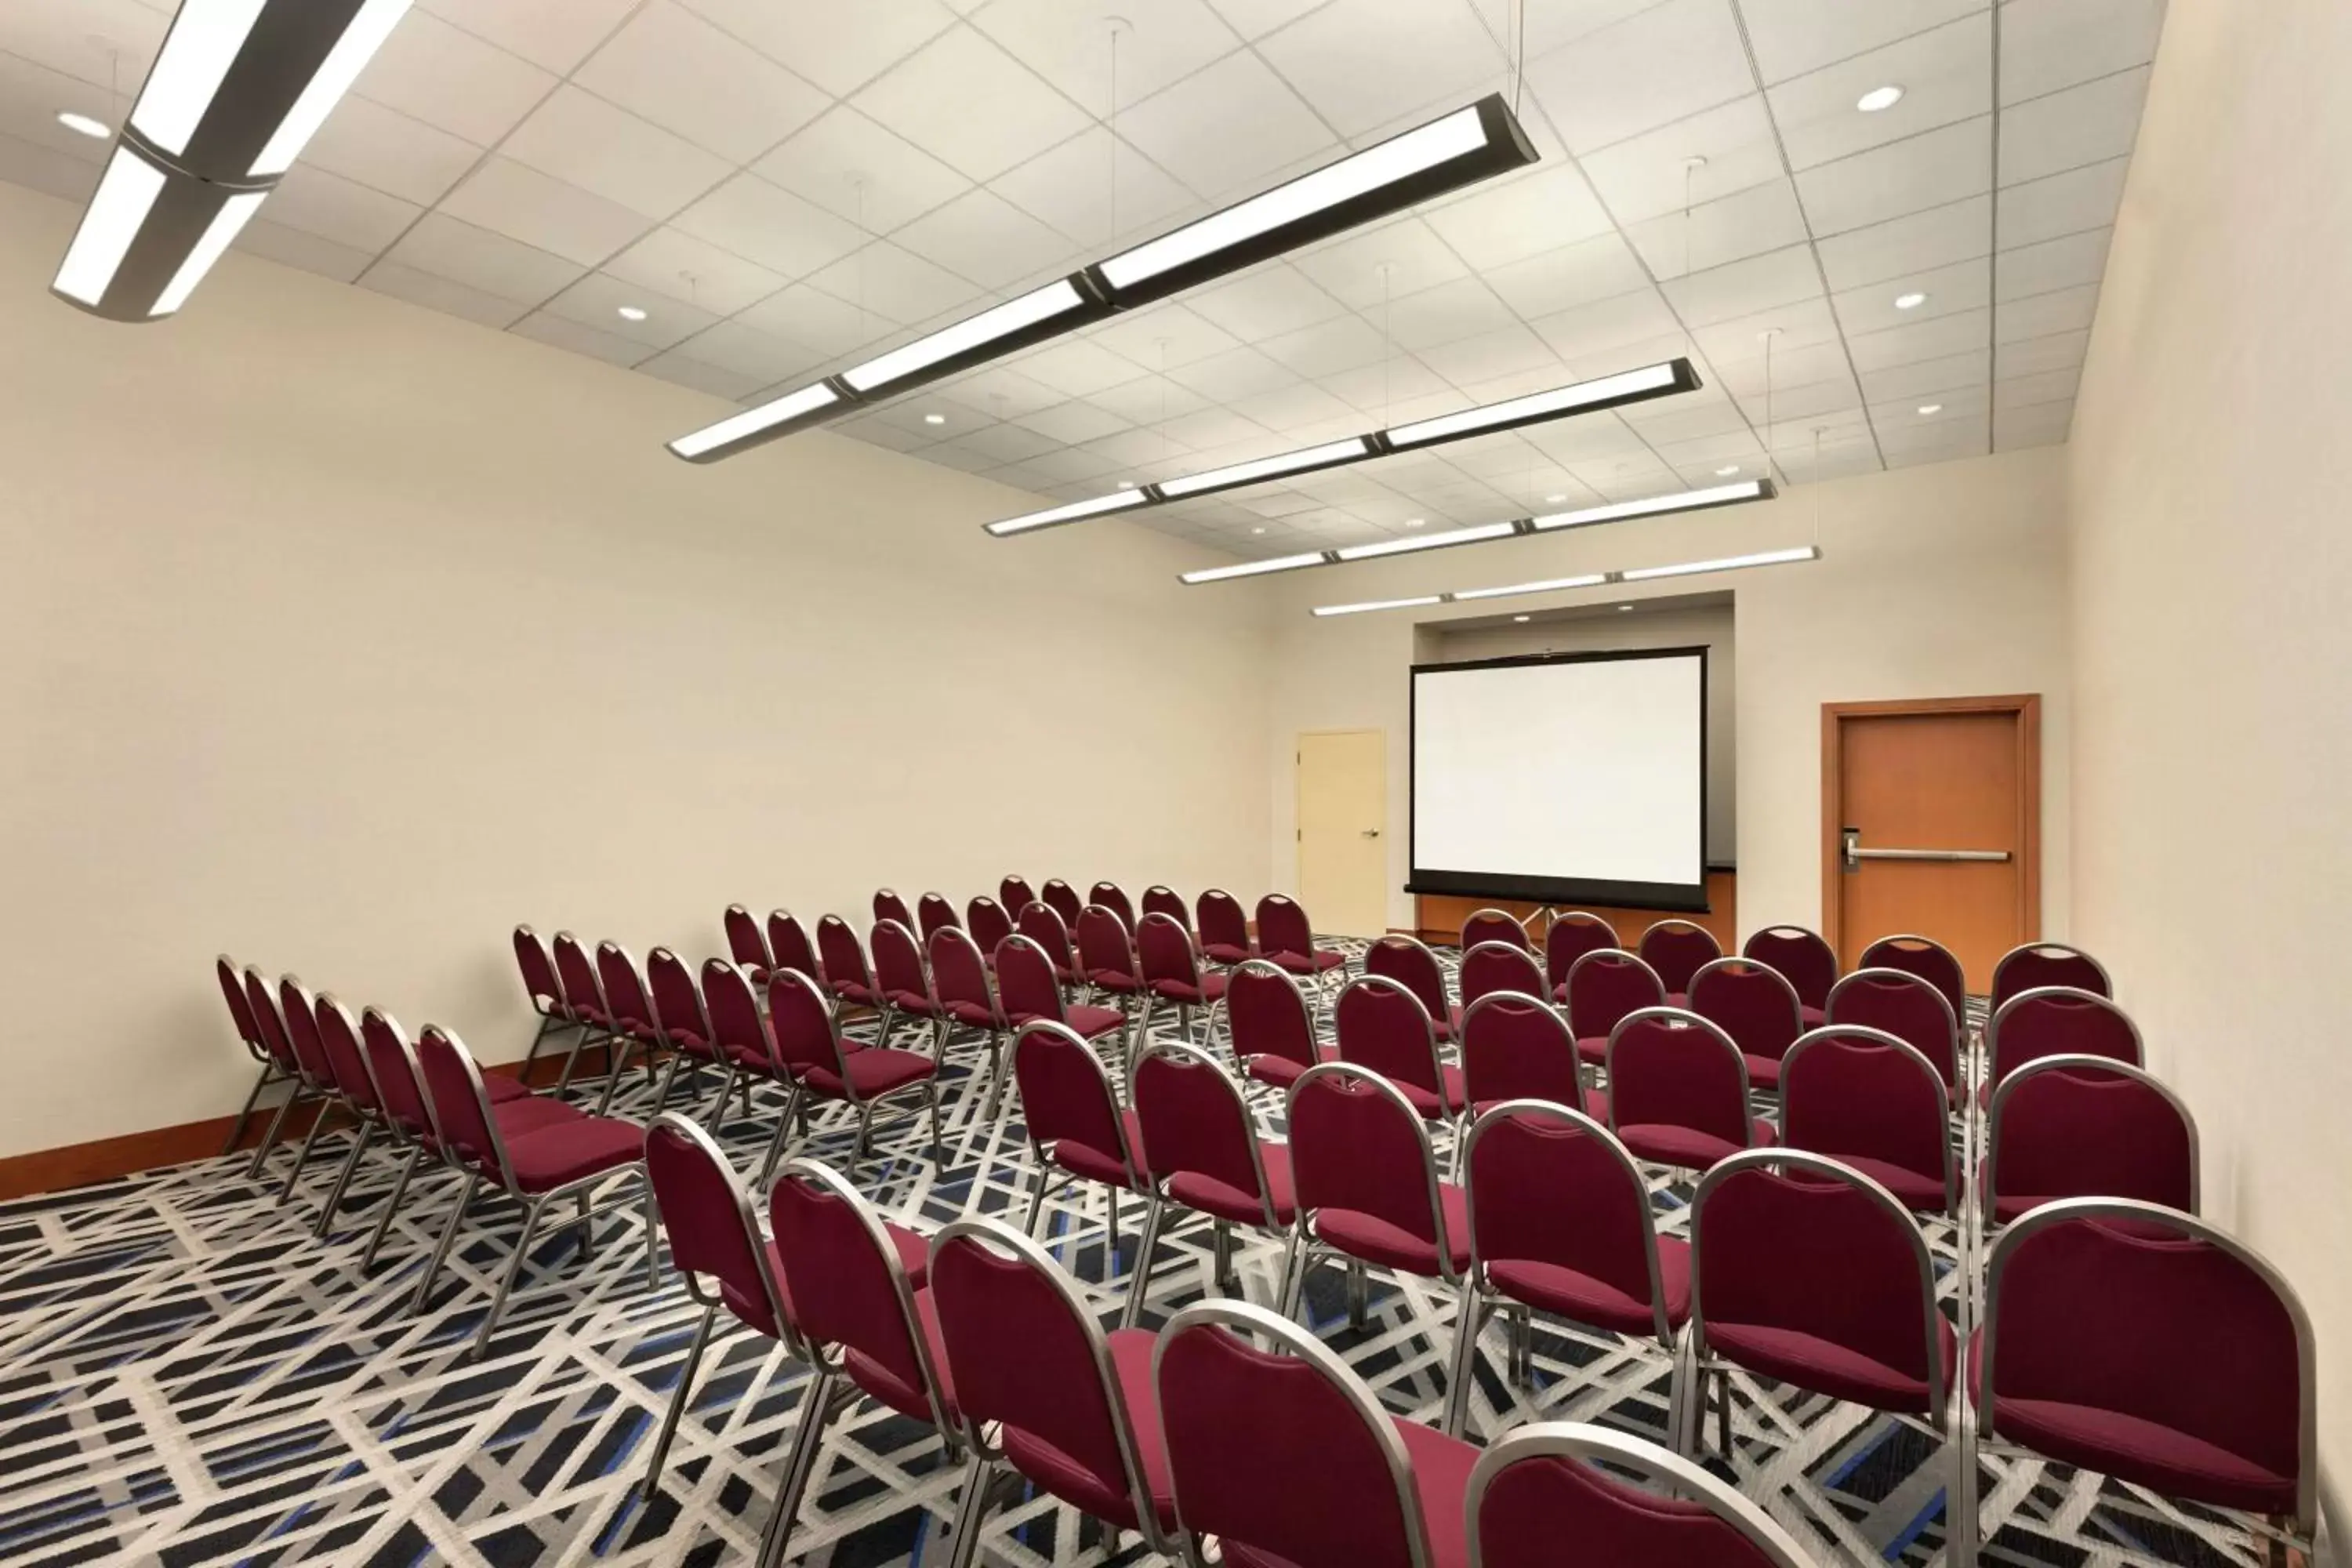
(1059,298)
(1607,392)
(1259,568)
(1724,564)
(126,194)
(1354,449)
(217,234)
(1651,506)
(1590,580)
(1484,531)
(1380,604)
(205,38)
(333,78)
(753,421)
(1117,501)
(1549,585)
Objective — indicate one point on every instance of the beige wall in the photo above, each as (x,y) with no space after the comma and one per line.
(1934,582)
(343,634)
(2212,586)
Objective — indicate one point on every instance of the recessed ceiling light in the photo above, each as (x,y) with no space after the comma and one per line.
(935,418)
(1927,408)
(1415,521)
(1726,471)
(631,312)
(1909,302)
(1554,501)
(1518,618)
(1879,98)
(1257,530)
(83,125)
(1625,607)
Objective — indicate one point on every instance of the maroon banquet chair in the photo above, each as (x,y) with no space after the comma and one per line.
(1162,900)
(1804,959)
(565,1159)
(1678,1090)
(583,998)
(1107,959)
(297,1010)
(542,988)
(1493,966)
(1286,938)
(844,972)
(1605,987)
(274,1070)
(1557,1480)
(1206,1157)
(339,1036)
(1015,893)
(1926,957)
(1408,961)
(1043,1392)
(934,912)
(904,979)
(747,944)
(1493,925)
(1077,1131)
(2086,1127)
(1028,991)
(1569,937)
(2150,1347)
(987,923)
(1367,1186)
(1676,949)
(1806,1271)
(1113,897)
(1316,1474)
(631,1008)
(684,1019)
(2056,1021)
(1223,928)
(1039,923)
(822,1065)
(1062,900)
(966,995)
(889,906)
(1270,1025)
(1560,1222)
(308,1083)
(1515,1046)
(2033,965)
(1873,1101)
(1382,1026)
(868,1328)
(1171,970)
(790,945)
(1757,1007)
(1906,1006)
(743,1039)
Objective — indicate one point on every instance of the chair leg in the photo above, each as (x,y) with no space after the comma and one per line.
(865,1127)
(816,1413)
(507,1281)
(1221,1254)
(580,1223)
(652,1483)
(995,1074)
(1111,1263)
(1960,1491)
(1036,1203)
(1297,1262)
(717,1115)
(972,1507)
(1686,1408)
(776,1139)
(1139,1282)
(669,1077)
(309,1141)
(1358,1294)
(343,1179)
(1466,1353)
(931,1098)
(276,1124)
(391,1208)
(548,1023)
(1723,1413)
(236,1128)
(616,1066)
(571,1062)
(653,1232)
(448,1235)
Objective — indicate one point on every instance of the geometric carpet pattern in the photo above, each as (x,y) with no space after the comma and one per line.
(188,1377)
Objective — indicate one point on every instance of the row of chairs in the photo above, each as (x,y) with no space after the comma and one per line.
(430,1102)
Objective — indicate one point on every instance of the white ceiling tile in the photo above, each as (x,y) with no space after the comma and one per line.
(1950,431)
(522,204)
(106,43)
(556,34)
(1928,171)
(1745,288)
(748,351)
(687,371)
(596,301)
(2025,391)
(2040,315)
(1074,187)
(1264,302)
(1068,42)
(1293,409)
(32,95)
(772,227)
(1076,368)
(293,247)
(2034,356)
(558,331)
(1519,216)
(930,98)
(677,266)
(331,207)
(1792,36)
(894,284)
(387,150)
(1587,330)
(585,141)
(1370,267)
(1211,428)
(2048,45)
(1071,465)
(801,314)
(1149,400)
(1162,336)
(1963,286)
(1447,313)
(2064,204)
(1573,274)
(1509,351)
(1328,347)
(1005,391)
(839,47)
(1740,367)
(2054,264)
(2086,124)
(1937,339)
(1072,423)
(983,236)
(1653,174)
(1255,18)
(1236,374)
(441,294)
(858,170)
(1887,252)
(1357,62)
(1920,377)
(489,263)
(1004,443)
(1945,76)
(1801,407)
(447,78)
(1758,219)
(674,68)
(1904,413)
(1143,456)
(1226,128)
(1660,64)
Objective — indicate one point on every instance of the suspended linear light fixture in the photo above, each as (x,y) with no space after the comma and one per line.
(1583,397)
(1590,580)
(1471,143)
(234,93)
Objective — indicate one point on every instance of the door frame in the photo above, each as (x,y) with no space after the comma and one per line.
(1298,803)
(2027,709)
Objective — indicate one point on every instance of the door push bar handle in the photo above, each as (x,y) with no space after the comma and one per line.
(1855,854)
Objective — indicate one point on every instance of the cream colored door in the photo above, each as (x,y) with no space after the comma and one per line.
(1343,851)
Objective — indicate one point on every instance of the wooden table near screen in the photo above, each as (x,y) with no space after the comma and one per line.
(1439,916)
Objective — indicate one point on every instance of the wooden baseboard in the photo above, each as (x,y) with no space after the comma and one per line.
(108,1159)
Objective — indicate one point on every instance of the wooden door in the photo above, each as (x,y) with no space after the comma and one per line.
(1343,856)
(1931,818)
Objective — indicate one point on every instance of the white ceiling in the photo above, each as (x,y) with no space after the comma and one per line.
(785,186)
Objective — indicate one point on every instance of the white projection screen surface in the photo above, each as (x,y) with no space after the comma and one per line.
(1558,779)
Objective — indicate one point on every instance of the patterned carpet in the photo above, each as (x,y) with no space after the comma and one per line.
(187,1378)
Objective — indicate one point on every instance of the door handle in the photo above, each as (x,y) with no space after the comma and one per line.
(1372,833)
(1855,854)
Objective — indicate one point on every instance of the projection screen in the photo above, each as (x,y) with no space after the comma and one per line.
(1562,778)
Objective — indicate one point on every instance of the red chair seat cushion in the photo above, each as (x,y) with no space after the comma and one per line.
(528,1113)
(873,1071)
(1913,1189)
(1211,986)
(1580,1298)
(1320,961)
(1375,1240)
(1441,1475)
(1091,1023)
(1448,1028)
(502,1090)
(1812,1017)
(1057,1472)
(1103,1164)
(855,991)
(1687,1148)
(1114,979)
(913,1002)
(1763,1072)
(1426,1101)
(1793,1356)
(1282,1071)
(567,1151)
(1212,1196)
(2134,1449)
(887,1386)
(971,1013)
(1595,1103)
(1594,1048)
(1225,952)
